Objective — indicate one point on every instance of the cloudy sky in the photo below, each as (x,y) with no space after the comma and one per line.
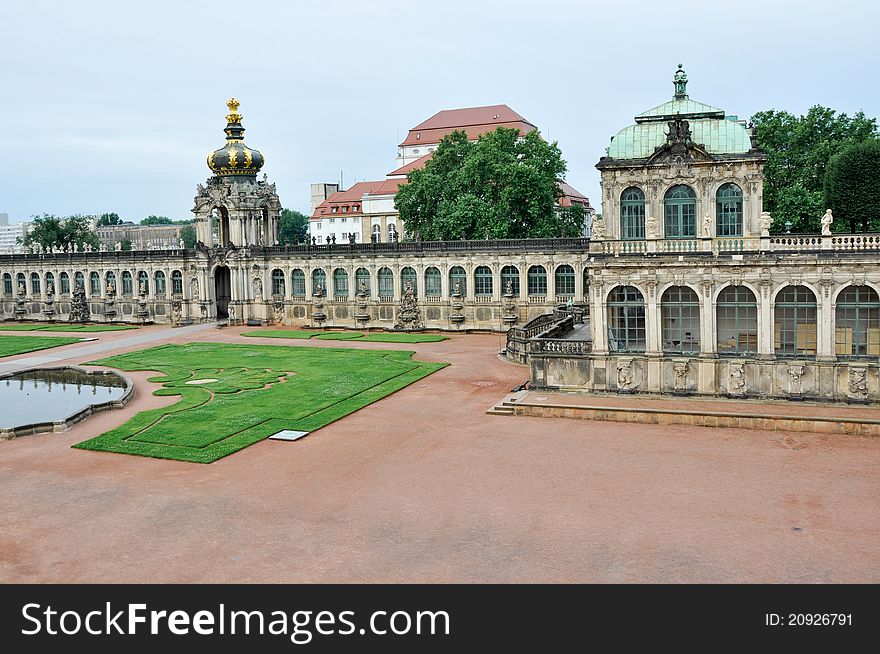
(112,106)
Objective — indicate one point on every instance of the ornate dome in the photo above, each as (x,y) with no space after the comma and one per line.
(235,158)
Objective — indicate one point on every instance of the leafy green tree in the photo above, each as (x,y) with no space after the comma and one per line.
(51,231)
(503,186)
(126,244)
(188,234)
(852,187)
(109,219)
(157,220)
(292,227)
(798,151)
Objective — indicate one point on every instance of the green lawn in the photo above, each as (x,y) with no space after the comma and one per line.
(10,345)
(373,337)
(260,390)
(61,327)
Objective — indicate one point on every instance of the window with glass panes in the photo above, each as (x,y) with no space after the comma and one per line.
(35,283)
(482,281)
(94,283)
(7,284)
(340,282)
(680,320)
(319,281)
(126,283)
(298,282)
(176,282)
(457,275)
(79,281)
(143,282)
(626,320)
(432,281)
(278,285)
(729,211)
(680,212)
(736,321)
(536,280)
(632,214)
(857,323)
(362,278)
(386,282)
(160,282)
(794,324)
(564,280)
(510,274)
(50,283)
(408,274)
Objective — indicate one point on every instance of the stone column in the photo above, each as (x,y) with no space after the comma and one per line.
(825,345)
(765,323)
(652,321)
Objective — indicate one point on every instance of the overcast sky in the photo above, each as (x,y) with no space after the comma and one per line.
(113,106)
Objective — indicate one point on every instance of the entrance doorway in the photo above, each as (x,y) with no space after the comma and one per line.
(222,290)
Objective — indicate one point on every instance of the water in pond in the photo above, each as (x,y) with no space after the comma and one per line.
(37,396)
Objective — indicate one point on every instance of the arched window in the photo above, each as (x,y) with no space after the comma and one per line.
(510,274)
(79,281)
(432,281)
(729,210)
(143,282)
(857,323)
(537,280)
(564,281)
(64,281)
(319,280)
(737,321)
(298,282)
(586,283)
(680,318)
(392,233)
(35,283)
(632,213)
(377,233)
(794,326)
(340,283)
(7,284)
(126,283)
(482,281)
(626,320)
(20,283)
(94,283)
(362,277)
(408,274)
(50,283)
(457,275)
(680,212)
(176,282)
(160,282)
(386,282)
(278,282)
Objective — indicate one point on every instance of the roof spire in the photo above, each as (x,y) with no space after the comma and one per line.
(680,81)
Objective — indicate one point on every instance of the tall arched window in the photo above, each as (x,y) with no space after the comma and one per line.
(7,284)
(564,281)
(377,233)
(626,320)
(362,277)
(340,283)
(94,283)
(159,278)
(35,283)
(857,323)
(680,212)
(632,213)
(680,318)
(729,210)
(20,285)
(176,282)
(457,275)
(482,281)
(143,282)
(586,283)
(432,281)
(319,280)
(794,326)
(298,282)
(50,283)
(536,281)
(278,285)
(126,283)
(736,319)
(79,281)
(392,233)
(386,282)
(110,282)
(408,274)
(510,274)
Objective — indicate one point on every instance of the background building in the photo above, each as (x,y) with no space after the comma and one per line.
(10,235)
(142,237)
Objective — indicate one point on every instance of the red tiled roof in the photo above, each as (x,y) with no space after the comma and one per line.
(412,165)
(450,118)
(432,136)
(388,187)
(350,196)
(572,196)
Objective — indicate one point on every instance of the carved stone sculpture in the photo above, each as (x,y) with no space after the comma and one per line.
(858,383)
(625,376)
(795,379)
(409,317)
(765,220)
(826,221)
(79,306)
(680,370)
(736,378)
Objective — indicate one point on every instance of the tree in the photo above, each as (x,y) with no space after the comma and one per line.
(51,231)
(109,219)
(798,150)
(126,244)
(503,186)
(292,227)
(188,234)
(852,187)
(157,220)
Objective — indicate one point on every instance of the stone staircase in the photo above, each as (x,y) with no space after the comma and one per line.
(507,406)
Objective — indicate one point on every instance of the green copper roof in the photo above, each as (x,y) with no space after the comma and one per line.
(684,106)
(717,136)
